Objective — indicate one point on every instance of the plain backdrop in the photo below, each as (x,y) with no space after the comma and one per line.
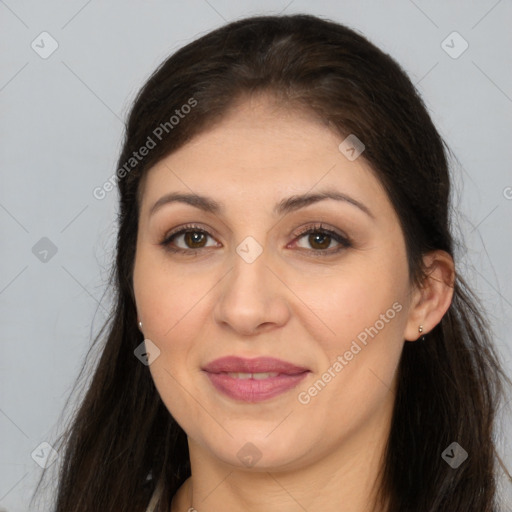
(62,119)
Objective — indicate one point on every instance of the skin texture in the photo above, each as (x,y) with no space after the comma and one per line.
(289,303)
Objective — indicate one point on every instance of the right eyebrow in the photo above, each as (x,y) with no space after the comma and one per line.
(206,204)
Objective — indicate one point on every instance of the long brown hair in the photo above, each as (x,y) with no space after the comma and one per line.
(449,386)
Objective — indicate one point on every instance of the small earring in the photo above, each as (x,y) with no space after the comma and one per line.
(140,326)
(420,329)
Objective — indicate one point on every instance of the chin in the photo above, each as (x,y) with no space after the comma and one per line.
(259,452)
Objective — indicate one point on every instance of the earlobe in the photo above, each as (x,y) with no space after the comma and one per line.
(433,298)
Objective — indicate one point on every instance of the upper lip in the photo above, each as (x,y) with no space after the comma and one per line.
(234,364)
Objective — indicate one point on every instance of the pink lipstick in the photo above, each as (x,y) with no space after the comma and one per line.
(253,380)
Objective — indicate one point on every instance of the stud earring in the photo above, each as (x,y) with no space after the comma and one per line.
(420,329)
(140,326)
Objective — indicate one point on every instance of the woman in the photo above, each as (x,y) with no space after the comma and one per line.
(290,331)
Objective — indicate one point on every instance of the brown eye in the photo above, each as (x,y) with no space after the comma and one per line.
(322,241)
(194,239)
(188,239)
(319,240)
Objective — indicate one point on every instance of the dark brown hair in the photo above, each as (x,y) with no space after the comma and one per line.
(449,386)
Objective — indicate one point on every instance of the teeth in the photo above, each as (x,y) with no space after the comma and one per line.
(257,376)
(240,375)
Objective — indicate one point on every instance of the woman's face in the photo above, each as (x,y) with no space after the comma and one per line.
(245,280)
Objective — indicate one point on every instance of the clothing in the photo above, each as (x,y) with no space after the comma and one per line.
(155,499)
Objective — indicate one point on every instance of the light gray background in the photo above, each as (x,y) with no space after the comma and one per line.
(61,128)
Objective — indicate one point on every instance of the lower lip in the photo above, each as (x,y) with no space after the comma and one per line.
(253,390)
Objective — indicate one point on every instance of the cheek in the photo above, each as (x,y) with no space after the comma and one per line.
(365,310)
(172,306)
(358,359)
(167,298)
(348,304)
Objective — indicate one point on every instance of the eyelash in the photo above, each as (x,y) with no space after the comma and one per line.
(343,241)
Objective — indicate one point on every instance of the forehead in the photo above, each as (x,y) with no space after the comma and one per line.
(257,154)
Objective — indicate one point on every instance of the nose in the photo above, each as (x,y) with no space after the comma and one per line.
(252,299)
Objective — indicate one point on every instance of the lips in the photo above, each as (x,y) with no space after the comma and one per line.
(233,364)
(253,380)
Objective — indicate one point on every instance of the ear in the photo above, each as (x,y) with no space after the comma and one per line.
(431,300)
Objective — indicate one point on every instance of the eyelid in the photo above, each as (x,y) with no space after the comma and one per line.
(319,226)
(189,227)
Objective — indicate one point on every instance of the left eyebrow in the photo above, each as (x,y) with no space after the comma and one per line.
(300,201)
